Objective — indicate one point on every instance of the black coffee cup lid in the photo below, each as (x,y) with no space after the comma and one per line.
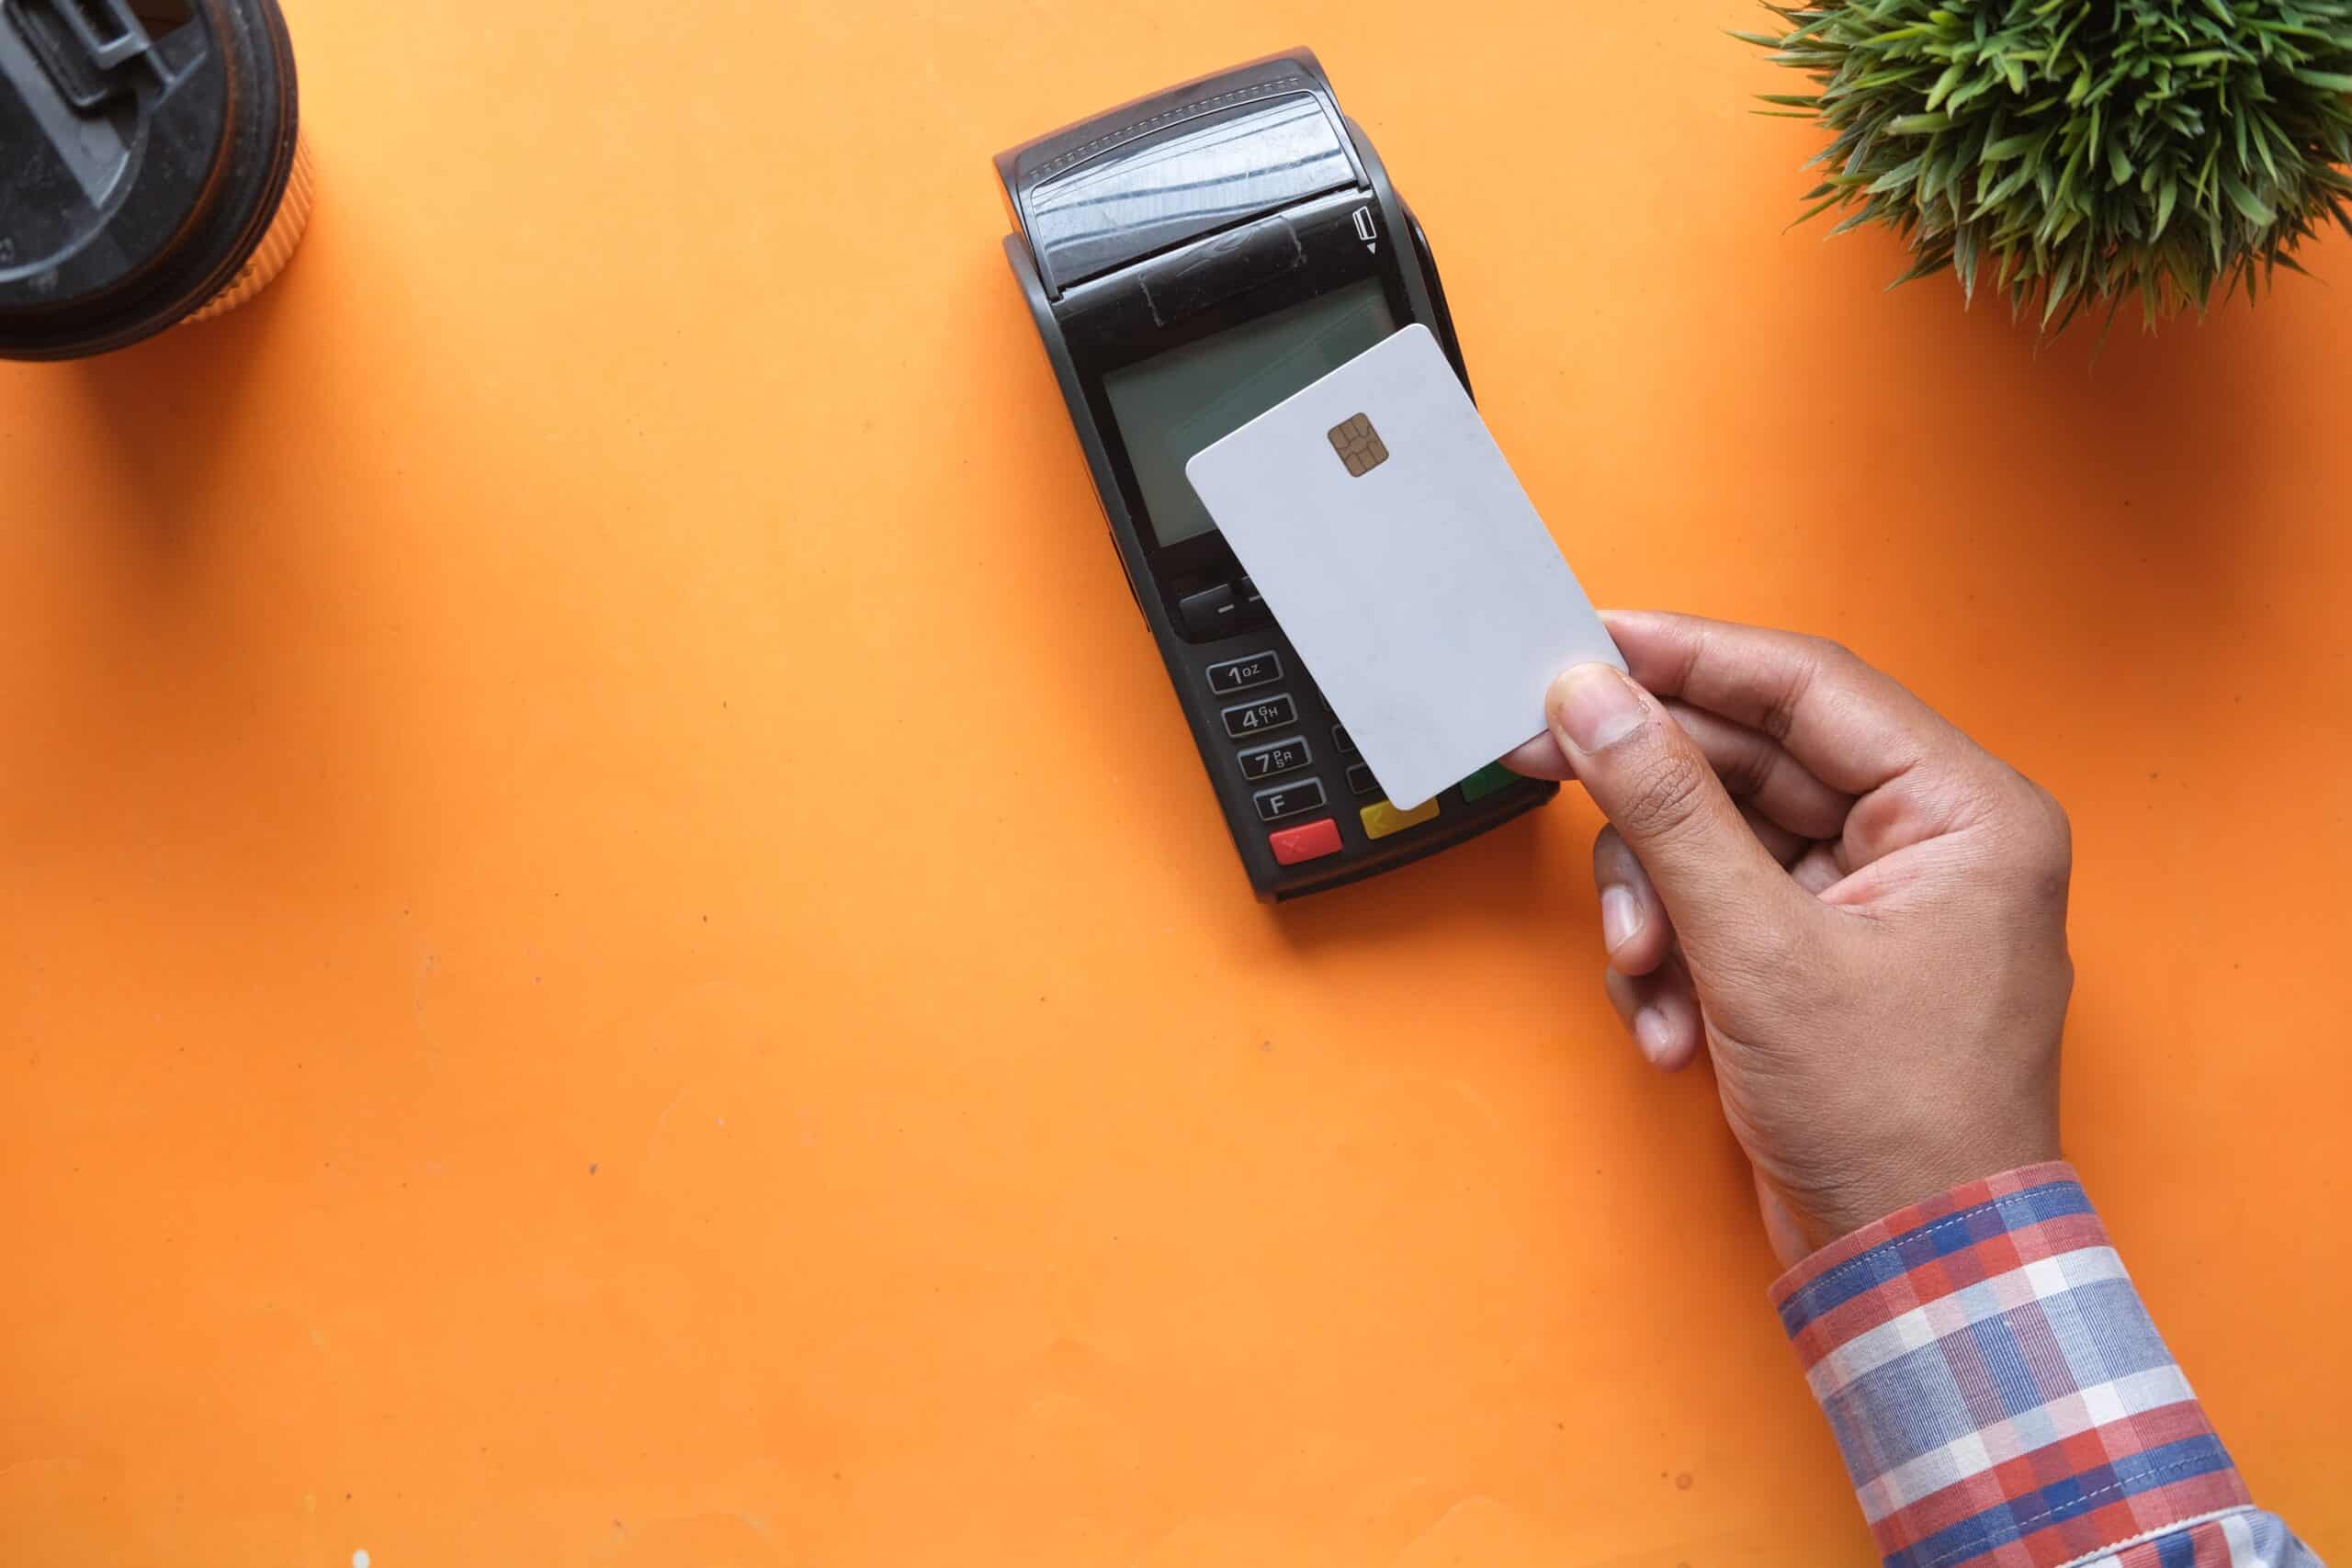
(144,145)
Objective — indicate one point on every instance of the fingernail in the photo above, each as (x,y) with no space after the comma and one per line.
(1651,1032)
(1596,708)
(1621,915)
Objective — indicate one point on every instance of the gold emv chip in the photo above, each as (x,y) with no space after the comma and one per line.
(1357,444)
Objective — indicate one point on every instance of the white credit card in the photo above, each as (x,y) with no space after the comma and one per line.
(1391,540)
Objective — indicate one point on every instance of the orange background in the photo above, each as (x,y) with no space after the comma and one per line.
(614,952)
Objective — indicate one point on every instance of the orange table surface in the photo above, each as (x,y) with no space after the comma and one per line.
(614,951)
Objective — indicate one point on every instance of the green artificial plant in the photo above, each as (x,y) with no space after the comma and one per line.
(2081,151)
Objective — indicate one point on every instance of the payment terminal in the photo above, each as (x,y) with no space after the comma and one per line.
(1192,259)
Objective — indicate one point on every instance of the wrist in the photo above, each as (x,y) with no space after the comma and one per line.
(1920,1172)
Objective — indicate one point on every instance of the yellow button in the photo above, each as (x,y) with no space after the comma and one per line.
(1380,818)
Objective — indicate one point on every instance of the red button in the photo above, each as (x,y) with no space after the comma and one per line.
(1312,842)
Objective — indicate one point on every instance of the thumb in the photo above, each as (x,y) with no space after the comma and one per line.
(1720,886)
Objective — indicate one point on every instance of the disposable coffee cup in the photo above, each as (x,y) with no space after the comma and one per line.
(151,167)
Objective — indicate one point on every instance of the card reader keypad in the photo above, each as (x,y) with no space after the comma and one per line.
(1296,840)
(1308,840)
(1288,800)
(1246,673)
(1247,721)
(1296,803)
(1271,761)
(1223,611)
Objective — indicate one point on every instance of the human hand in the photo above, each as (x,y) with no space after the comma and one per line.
(1869,941)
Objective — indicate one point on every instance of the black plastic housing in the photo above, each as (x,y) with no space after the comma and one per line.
(1179,215)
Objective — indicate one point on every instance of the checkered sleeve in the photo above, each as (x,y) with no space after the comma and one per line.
(2004,1401)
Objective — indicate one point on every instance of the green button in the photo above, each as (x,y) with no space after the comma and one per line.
(1486,780)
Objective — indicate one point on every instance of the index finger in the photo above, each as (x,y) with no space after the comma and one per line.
(1853,726)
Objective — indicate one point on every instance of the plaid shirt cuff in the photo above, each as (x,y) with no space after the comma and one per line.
(2001,1397)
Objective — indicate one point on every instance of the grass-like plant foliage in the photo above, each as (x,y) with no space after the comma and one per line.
(2081,151)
